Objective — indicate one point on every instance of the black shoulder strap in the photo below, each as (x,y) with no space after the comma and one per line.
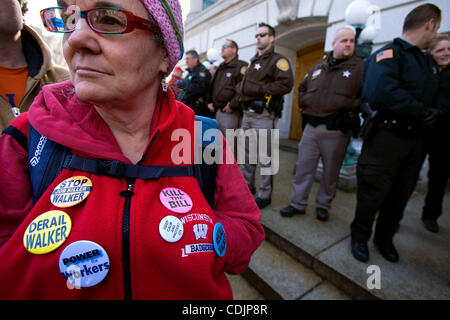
(47,159)
(17,135)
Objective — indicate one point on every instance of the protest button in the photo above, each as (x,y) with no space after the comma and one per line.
(71,191)
(175,200)
(83,264)
(47,232)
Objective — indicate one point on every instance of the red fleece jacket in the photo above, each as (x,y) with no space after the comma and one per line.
(158,269)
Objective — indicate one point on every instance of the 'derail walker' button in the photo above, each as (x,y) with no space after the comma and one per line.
(47,232)
(71,191)
(83,264)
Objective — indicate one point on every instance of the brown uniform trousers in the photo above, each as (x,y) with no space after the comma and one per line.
(269,74)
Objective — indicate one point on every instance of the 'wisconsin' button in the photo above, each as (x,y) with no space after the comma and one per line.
(71,191)
(47,232)
(171,229)
(83,264)
(175,200)
(219,240)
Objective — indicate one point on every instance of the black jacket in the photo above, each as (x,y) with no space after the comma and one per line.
(400,81)
(194,90)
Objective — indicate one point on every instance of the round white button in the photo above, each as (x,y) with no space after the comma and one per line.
(171,229)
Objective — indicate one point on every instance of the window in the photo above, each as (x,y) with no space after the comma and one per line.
(207,3)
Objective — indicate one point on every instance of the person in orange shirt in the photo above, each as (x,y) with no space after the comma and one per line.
(25,62)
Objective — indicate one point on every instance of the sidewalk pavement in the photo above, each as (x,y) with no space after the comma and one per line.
(421,273)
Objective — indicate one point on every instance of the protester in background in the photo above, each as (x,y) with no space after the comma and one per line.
(438,155)
(25,62)
(212,69)
(195,85)
(176,75)
(329,97)
(123,219)
(400,82)
(266,80)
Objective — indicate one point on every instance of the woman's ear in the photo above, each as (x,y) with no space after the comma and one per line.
(164,68)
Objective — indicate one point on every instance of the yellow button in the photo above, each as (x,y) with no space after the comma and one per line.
(47,232)
(71,191)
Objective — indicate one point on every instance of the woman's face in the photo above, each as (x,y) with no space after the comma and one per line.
(441,53)
(112,68)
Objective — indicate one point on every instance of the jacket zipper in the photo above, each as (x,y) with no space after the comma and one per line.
(126,227)
(126,238)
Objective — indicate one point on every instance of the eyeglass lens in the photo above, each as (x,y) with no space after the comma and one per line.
(105,20)
(262,34)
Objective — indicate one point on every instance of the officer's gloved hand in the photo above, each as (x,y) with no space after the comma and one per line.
(180,84)
(432,119)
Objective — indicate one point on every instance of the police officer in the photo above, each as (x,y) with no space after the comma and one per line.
(400,82)
(195,85)
(330,97)
(267,79)
(224,99)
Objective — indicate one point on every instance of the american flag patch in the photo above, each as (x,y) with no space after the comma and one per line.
(316,73)
(386,54)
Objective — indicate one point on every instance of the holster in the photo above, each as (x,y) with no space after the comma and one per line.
(370,122)
(255,105)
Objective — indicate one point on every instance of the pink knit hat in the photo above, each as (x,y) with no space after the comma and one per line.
(167,14)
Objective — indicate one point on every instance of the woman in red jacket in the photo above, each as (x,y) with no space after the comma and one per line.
(125,218)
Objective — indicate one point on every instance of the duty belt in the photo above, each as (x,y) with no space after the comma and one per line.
(258,106)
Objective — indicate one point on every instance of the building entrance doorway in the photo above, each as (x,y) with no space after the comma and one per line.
(306,59)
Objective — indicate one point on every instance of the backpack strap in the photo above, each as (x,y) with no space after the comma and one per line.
(206,173)
(45,161)
(17,135)
(117,169)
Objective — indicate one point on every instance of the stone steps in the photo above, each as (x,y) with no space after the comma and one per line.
(278,276)
(323,249)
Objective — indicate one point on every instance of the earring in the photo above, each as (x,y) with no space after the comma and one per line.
(164,84)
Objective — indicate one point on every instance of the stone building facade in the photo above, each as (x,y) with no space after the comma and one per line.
(304,32)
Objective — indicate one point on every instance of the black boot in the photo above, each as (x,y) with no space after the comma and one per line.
(322,214)
(262,203)
(289,211)
(430,225)
(360,250)
(387,249)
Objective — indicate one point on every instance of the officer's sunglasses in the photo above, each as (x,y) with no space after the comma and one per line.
(102,20)
(262,34)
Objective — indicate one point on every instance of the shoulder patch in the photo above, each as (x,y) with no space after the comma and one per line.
(243,70)
(316,74)
(283,64)
(385,54)
(202,74)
